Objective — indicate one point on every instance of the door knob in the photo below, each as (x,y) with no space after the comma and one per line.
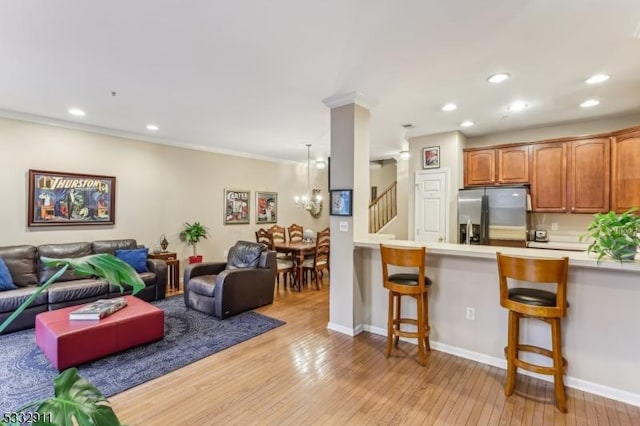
(440,239)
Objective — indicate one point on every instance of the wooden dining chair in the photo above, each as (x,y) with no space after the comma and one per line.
(285,266)
(295,233)
(278,232)
(320,260)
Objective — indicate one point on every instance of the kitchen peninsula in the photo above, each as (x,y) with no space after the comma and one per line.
(601,333)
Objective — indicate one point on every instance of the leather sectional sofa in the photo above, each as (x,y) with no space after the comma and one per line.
(28,272)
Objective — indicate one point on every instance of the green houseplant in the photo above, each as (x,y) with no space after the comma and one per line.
(614,235)
(192,234)
(76,401)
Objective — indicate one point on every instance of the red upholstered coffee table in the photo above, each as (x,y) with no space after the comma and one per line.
(67,343)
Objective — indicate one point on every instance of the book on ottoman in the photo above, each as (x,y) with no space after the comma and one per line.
(98,309)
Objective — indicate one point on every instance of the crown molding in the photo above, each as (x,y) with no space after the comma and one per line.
(357,98)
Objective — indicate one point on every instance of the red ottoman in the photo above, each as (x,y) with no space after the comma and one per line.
(69,343)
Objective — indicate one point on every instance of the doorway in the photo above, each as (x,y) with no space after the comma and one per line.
(431,216)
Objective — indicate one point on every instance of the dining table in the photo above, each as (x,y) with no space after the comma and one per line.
(298,251)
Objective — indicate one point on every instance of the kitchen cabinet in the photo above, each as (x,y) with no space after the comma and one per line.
(625,171)
(480,167)
(513,165)
(588,175)
(549,177)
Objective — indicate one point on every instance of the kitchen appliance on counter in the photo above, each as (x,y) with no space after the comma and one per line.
(494,215)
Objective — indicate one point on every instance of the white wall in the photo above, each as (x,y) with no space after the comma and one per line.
(158,187)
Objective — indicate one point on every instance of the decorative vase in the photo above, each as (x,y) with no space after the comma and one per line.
(307,235)
(164,243)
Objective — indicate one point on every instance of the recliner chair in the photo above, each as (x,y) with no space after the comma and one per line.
(223,289)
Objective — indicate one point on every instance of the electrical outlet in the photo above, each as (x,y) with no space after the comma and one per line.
(554,226)
(471,314)
(344,226)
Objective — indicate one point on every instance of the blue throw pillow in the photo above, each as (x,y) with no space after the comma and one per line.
(137,258)
(6,282)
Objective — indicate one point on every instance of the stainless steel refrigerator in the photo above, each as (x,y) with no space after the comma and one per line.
(493,215)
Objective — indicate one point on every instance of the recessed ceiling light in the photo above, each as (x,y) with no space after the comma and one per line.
(152,127)
(517,106)
(77,112)
(597,78)
(498,78)
(450,107)
(590,103)
(467,123)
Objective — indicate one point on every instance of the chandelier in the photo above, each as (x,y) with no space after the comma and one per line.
(311,201)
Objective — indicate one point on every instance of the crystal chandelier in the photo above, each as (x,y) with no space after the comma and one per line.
(311,201)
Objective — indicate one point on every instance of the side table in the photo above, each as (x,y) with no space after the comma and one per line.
(173,267)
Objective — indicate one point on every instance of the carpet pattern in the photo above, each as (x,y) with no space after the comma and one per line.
(26,374)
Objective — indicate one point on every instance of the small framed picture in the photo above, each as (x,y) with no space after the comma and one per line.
(266,207)
(236,207)
(341,202)
(431,157)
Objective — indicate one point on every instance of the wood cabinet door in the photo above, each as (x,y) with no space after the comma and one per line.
(480,167)
(625,172)
(549,177)
(513,165)
(589,176)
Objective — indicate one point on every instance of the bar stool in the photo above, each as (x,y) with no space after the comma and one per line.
(535,303)
(406,284)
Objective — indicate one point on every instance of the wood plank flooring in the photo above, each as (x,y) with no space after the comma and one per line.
(301,373)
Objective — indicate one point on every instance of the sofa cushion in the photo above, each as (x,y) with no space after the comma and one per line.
(110,246)
(11,300)
(6,282)
(66,291)
(137,258)
(21,261)
(203,284)
(149,279)
(245,254)
(60,251)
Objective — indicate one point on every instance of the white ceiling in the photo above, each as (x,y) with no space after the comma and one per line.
(249,76)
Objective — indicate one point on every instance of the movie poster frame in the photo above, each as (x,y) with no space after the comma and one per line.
(266,194)
(245,195)
(39,186)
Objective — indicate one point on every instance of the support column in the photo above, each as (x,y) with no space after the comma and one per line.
(349,170)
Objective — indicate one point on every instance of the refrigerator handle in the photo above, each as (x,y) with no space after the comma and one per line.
(484,220)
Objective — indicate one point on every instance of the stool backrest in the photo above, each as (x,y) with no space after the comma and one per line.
(404,257)
(540,271)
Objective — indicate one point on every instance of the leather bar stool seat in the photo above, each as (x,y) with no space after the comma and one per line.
(408,279)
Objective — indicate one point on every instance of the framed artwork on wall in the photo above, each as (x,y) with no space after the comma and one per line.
(237,204)
(266,207)
(58,199)
(431,157)
(341,202)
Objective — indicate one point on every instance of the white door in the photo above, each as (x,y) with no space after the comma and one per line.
(431,217)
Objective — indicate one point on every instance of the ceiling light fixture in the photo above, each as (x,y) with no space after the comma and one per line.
(77,112)
(466,123)
(590,103)
(152,127)
(311,201)
(320,164)
(450,107)
(597,78)
(405,155)
(517,106)
(499,78)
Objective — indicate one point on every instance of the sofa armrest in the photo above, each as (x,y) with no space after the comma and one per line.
(159,268)
(204,268)
(239,290)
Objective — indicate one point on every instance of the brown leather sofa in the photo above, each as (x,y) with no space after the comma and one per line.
(28,273)
(222,289)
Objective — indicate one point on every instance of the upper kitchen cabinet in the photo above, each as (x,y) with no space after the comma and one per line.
(549,177)
(480,167)
(588,177)
(513,165)
(625,170)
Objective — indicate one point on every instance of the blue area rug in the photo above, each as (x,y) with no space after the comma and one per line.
(26,374)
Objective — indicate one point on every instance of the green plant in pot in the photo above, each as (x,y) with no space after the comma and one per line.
(614,235)
(76,400)
(192,234)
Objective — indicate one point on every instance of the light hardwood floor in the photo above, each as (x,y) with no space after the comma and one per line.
(301,373)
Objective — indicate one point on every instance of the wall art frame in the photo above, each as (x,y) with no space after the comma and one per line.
(341,202)
(67,199)
(237,205)
(431,157)
(266,207)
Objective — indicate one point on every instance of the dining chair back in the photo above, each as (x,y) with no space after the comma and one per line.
(295,233)
(278,233)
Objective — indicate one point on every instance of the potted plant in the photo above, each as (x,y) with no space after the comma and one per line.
(614,235)
(192,234)
(76,400)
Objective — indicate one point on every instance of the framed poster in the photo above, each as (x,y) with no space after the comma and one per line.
(57,199)
(266,207)
(341,203)
(236,207)
(431,157)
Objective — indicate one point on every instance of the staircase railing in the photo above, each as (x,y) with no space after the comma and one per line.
(383,209)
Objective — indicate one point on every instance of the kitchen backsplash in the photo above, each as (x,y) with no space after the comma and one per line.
(569,226)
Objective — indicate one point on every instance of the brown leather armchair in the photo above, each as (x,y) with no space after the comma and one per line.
(244,282)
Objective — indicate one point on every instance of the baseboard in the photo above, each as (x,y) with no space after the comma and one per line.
(569,381)
(345,330)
